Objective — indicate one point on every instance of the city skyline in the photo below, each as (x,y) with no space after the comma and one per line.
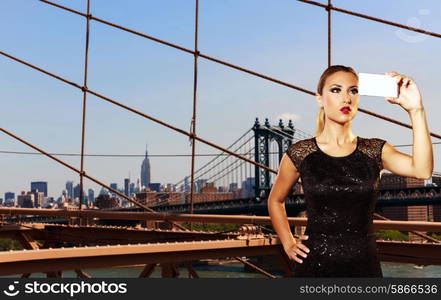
(286,40)
(388,181)
(89,192)
(71,188)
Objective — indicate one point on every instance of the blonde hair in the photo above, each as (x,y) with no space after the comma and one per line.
(320,123)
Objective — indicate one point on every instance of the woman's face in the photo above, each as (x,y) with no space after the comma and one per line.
(340,97)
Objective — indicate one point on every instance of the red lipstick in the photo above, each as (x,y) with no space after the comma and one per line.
(345,109)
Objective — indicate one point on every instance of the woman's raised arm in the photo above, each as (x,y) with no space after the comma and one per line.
(420,164)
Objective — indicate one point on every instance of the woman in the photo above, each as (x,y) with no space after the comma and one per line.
(340,172)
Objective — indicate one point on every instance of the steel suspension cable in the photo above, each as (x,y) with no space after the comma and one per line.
(192,135)
(224,158)
(195,90)
(83,127)
(84,174)
(253,72)
(363,16)
(133,110)
(329,32)
(216,156)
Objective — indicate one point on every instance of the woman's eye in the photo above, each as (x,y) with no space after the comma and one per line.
(335,90)
(354,91)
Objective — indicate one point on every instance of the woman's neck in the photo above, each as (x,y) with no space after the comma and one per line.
(334,133)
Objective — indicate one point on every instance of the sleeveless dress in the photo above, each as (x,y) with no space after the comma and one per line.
(340,196)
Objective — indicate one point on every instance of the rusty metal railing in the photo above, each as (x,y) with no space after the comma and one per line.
(205,218)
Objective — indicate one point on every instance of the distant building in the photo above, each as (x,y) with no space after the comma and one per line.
(115,187)
(170,187)
(50,202)
(222,189)
(132,188)
(76,192)
(186,186)
(156,187)
(431,212)
(106,201)
(138,186)
(393,181)
(127,186)
(145,170)
(90,195)
(9,196)
(38,197)
(69,189)
(25,200)
(248,187)
(104,191)
(200,183)
(40,186)
(10,203)
(9,199)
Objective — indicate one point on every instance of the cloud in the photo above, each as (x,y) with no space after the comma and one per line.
(288,116)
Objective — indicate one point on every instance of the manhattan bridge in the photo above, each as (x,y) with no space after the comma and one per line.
(232,188)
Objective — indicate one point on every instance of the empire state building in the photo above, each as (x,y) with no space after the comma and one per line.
(145,170)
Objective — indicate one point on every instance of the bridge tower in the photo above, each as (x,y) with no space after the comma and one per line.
(263,136)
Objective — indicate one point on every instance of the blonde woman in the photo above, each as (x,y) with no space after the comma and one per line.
(339,173)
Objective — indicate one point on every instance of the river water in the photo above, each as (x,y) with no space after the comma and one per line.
(236,270)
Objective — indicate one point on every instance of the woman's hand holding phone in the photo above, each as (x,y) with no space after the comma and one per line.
(409,96)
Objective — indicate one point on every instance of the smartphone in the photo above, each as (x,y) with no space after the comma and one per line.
(377,85)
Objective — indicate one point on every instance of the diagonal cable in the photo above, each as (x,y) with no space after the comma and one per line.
(85,175)
(363,16)
(136,111)
(275,80)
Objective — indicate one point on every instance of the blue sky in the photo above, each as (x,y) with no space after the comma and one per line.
(283,39)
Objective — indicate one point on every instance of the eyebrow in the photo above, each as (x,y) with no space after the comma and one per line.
(335,84)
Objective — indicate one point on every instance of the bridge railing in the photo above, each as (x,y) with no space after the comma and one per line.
(225,219)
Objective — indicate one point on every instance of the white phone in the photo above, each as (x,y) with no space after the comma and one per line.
(377,85)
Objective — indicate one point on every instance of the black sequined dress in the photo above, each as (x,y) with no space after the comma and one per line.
(340,195)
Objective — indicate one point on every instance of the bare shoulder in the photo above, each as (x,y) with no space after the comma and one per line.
(389,150)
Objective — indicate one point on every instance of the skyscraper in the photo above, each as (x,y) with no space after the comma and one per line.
(155,187)
(114,186)
(127,186)
(132,188)
(9,199)
(91,195)
(145,170)
(69,189)
(248,187)
(9,195)
(40,186)
(200,183)
(38,198)
(76,192)
(186,185)
(103,191)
